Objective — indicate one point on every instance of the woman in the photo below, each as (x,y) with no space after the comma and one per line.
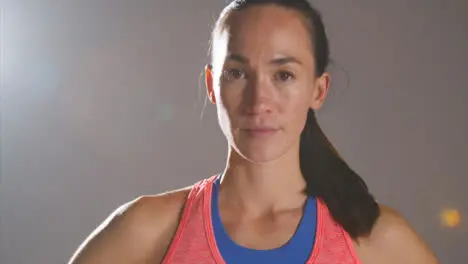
(285,196)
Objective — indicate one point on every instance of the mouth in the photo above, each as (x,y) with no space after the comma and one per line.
(260,132)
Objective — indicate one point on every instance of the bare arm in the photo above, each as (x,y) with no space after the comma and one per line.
(394,241)
(138,232)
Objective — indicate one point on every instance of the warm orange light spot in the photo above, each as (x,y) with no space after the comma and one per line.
(450,218)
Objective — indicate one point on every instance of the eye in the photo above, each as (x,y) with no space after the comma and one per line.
(233,74)
(284,76)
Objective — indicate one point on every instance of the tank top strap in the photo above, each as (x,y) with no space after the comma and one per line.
(336,246)
(190,234)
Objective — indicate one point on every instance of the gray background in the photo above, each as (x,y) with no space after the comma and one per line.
(100,103)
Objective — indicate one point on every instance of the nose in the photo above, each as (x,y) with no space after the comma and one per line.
(258,96)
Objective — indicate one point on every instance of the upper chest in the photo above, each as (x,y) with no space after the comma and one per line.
(263,232)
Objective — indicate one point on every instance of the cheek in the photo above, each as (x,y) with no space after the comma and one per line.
(295,108)
(229,98)
(227,104)
(297,115)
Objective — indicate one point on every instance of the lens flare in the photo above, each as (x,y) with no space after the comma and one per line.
(450,218)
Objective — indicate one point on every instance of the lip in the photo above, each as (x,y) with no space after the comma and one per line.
(260,131)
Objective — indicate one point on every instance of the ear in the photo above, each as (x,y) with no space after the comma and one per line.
(322,84)
(209,83)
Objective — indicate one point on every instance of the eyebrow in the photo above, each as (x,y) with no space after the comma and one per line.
(277,61)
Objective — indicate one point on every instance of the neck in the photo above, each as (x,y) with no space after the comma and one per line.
(259,187)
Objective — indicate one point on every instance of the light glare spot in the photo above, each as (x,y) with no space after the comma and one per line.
(450,218)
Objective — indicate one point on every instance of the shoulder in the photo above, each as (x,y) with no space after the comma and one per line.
(152,215)
(393,240)
(138,231)
(161,208)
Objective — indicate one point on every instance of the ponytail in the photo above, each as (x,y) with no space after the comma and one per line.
(329,178)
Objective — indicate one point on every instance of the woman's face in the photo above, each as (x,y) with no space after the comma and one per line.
(263,81)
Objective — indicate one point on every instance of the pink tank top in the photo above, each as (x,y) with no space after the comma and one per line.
(194,240)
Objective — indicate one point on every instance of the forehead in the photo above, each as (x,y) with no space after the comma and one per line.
(264,31)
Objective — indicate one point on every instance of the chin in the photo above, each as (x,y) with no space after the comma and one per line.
(261,154)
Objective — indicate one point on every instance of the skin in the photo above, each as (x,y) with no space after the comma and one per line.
(262,84)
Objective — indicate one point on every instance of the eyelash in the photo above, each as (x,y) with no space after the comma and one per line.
(228,75)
